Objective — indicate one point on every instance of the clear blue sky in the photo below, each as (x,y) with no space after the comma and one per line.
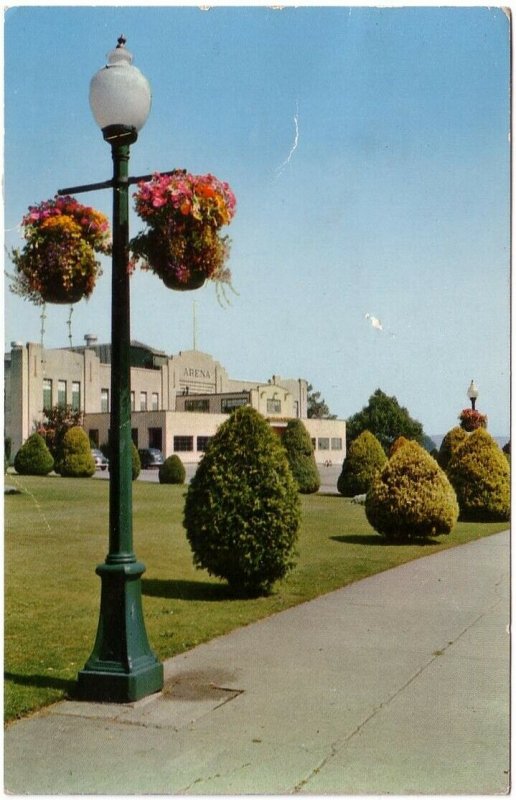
(390,198)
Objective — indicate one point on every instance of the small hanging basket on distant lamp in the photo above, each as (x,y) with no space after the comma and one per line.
(471,419)
(58,262)
(182,242)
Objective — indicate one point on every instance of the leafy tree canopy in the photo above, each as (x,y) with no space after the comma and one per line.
(317,407)
(386,419)
(58,421)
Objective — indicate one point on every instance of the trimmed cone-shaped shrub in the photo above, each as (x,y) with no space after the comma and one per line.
(480,475)
(453,440)
(242,508)
(136,464)
(300,454)
(411,498)
(77,461)
(365,458)
(397,443)
(172,470)
(34,457)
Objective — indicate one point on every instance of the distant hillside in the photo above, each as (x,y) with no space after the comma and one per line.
(438,437)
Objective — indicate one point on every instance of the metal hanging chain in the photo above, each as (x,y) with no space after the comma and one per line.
(43,317)
(69,323)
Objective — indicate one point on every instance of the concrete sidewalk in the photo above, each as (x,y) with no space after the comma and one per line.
(397,684)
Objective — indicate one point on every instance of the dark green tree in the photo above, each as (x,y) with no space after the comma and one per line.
(33,457)
(300,453)
(428,443)
(386,419)
(364,459)
(316,405)
(242,508)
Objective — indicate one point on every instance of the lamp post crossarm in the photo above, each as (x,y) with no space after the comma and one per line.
(91,187)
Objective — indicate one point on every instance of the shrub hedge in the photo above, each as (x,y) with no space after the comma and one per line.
(172,470)
(242,509)
(411,498)
(34,457)
(300,454)
(136,464)
(364,459)
(480,475)
(450,444)
(77,460)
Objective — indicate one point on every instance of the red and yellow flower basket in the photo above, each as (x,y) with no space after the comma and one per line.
(182,242)
(57,263)
(471,419)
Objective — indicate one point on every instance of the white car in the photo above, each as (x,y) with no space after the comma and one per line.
(100,459)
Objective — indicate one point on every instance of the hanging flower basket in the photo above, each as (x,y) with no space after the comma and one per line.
(57,263)
(471,419)
(182,241)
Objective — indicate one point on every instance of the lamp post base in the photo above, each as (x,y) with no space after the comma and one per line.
(122,668)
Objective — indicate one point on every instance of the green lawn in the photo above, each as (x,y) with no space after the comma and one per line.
(56,532)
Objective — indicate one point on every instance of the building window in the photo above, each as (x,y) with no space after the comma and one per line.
(76,396)
(323,444)
(202,443)
(94,436)
(156,438)
(336,444)
(133,401)
(61,393)
(313,443)
(155,401)
(198,405)
(228,404)
(47,393)
(104,399)
(273,406)
(183,444)
(143,401)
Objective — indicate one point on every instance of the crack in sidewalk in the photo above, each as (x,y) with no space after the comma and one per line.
(335,747)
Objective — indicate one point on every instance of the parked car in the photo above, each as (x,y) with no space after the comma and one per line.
(150,457)
(100,459)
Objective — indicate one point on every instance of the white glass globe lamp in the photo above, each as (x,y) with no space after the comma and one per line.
(472,393)
(120,96)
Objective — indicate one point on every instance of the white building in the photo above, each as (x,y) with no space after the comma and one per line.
(178,401)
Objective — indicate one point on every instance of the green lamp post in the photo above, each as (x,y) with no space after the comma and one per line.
(122,667)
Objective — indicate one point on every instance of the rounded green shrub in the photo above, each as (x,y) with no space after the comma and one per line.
(77,461)
(172,470)
(450,444)
(34,457)
(242,508)
(411,498)
(480,475)
(364,459)
(300,454)
(136,464)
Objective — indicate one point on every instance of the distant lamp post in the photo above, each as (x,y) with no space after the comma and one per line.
(122,667)
(472,394)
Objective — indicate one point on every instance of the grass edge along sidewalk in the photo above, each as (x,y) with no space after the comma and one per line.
(56,533)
